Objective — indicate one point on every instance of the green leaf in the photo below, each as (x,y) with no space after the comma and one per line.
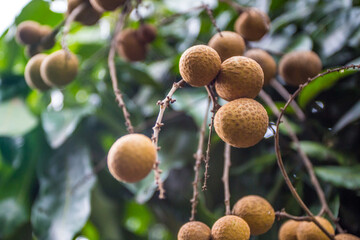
(346,177)
(12,215)
(255,165)
(302,42)
(138,218)
(352,115)
(63,204)
(16,119)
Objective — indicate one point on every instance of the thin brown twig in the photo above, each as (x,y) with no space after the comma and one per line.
(199,156)
(240,9)
(282,214)
(112,69)
(212,18)
(156,130)
(225,178)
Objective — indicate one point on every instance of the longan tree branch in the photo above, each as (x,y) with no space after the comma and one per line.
(199,156)
(282,214)
(156,130)
(112,69)
(225,178)
(212,18)
(286,95)
(240,9)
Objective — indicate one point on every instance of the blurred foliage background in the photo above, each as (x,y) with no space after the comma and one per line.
(51,141)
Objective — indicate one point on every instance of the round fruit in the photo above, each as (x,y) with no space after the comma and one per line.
(32,73)
(228,44)
(146,33)
(88,16)
(252,24)
(59,68)
(106,5)
(199,65)
(230,228)
(257,212)
(266,61)
(239,77)
(288,230)
(346,236)
(241,123)
(129,47)
(194,231)
(309,230)
(47,40)
(296,67)
(131,158)
(28,32)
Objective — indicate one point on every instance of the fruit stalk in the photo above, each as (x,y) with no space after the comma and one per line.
(211,16)
(225,178)
(240,9)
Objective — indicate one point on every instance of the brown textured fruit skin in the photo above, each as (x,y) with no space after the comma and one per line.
(129,47)
(28,32)
(146,33)
(257,212)
(241,123)
(32,73)
(106,5)
(59,68)
(346,236)
(228,44)
(266,61)
(296,67)
(131,158)
(230,228)
(199,65)
(89,16)
(47,41)
(309,231)
(194,231)
(288,230)
(239,77)
(252,25)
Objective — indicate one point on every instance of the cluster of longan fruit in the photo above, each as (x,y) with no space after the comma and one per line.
(252,215)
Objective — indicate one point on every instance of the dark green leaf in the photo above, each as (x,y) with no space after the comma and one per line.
(346,177)
(352,115)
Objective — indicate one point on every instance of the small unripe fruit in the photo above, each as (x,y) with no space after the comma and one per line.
(59,68)
(310,231)
(257,212)
(106,5)
(228,44)
(239,77)
(88,16)
(28,32)
(129,47)
(288,230)
(241,123)
(146,33)
(252,24)
(266,61)
(346,236)
(194,231)
(296,67)
(199,65)
(230,228)
(32,73)
(131,158)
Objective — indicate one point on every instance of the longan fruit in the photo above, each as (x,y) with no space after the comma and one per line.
(239,77)
(266,62)
(296,67)
(310,231)
(59,68)
(106,5)
(194,231)
(346,236)
(129,47)
(131,158)
(32,73)
(230,228)
(28,32)
(47,41)
(288,230)
(89,16)
(257,212)
(199,65)
(146,33)
(228,44)
(241,123)
(252,24)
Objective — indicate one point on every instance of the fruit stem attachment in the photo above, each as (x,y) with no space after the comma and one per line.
(199,156)
(112,68)
(240,9)
(156,130)
(212,18)
(225,177)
